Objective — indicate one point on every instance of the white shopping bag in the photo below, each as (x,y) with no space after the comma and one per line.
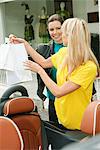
(12,57)
(6,58)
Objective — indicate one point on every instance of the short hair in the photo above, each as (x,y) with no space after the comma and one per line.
(55,17)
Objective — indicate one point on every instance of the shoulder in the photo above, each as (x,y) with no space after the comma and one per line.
(61,53)
(89,68)
(63,50)
(91,65)
(50,42)
(43,49)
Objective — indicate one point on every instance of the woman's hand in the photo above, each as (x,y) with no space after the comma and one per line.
(15,40)
(30,65)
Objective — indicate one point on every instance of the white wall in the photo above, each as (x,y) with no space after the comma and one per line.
(2,23)
(50,7)
(81,8)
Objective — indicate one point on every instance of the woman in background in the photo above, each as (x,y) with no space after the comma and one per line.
(54,28)
(46,50)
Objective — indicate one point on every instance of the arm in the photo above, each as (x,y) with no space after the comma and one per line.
(45,63)
(56,90)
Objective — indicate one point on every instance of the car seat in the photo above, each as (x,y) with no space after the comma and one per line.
(19,110)
(10,136)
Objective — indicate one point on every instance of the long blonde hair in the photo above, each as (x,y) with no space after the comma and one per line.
(79,41)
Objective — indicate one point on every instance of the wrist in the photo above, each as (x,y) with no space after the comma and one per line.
(27,46)
(25,43)
(40,70)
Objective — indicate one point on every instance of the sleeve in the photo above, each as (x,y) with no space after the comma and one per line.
(57,58)
(54,59)
(84,75)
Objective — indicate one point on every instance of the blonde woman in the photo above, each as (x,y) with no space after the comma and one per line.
(76,71)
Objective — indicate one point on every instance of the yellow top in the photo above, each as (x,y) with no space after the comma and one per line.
(70,108)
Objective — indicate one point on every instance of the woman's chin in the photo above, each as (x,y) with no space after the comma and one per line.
(58,41)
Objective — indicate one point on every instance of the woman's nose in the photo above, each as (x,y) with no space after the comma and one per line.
(55,31)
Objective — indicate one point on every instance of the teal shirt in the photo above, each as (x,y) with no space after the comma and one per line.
(53,71)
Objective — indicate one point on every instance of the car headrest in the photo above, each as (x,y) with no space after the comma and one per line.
(18,105)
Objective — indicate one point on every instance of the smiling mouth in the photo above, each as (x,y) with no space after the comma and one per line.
(56,37)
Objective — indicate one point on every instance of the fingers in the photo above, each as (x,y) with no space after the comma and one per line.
(12,38)
(15,40)
(12,35)
(28,64)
